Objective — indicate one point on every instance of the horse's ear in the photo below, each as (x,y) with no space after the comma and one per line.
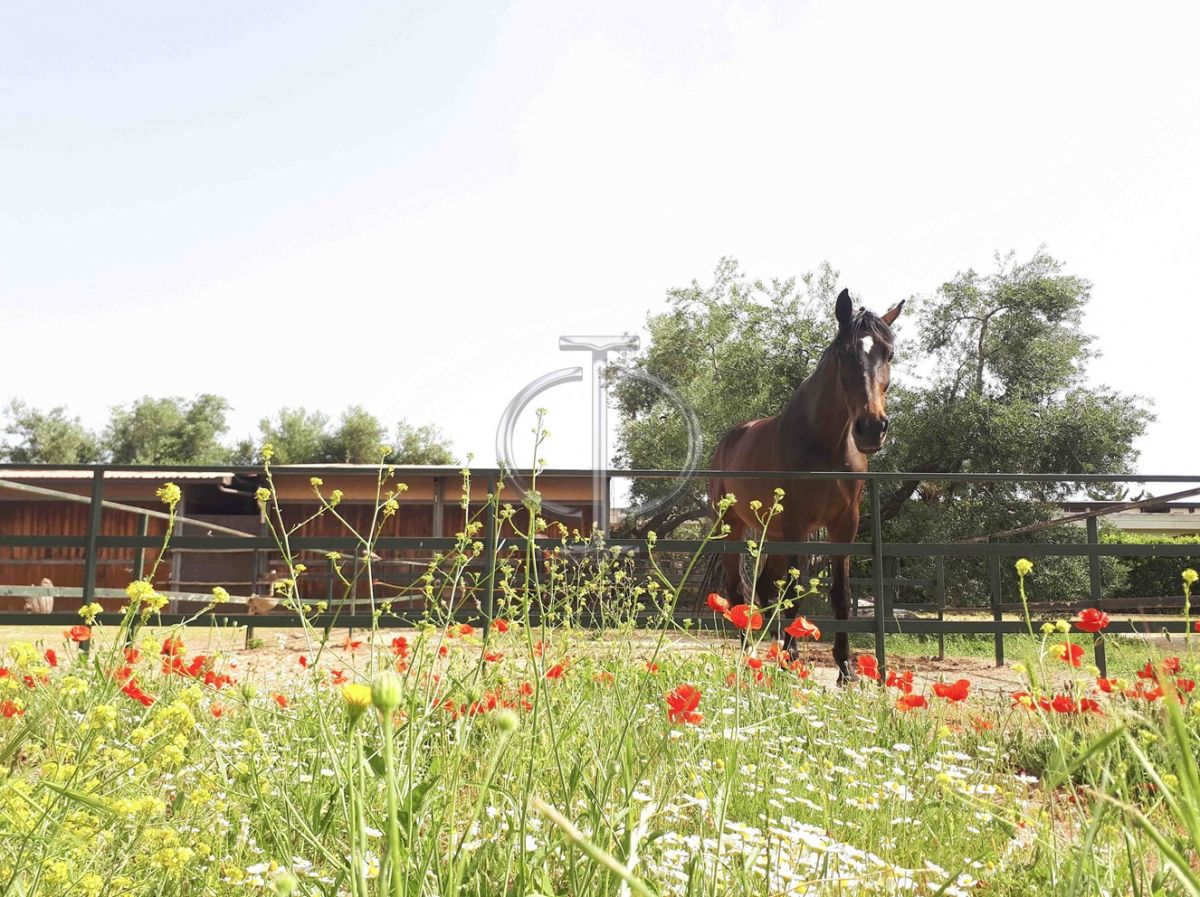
(844,310)
(889,316)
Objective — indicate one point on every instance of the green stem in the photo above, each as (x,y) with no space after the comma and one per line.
(392,810)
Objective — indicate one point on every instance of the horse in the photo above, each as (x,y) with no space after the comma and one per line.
(835,420)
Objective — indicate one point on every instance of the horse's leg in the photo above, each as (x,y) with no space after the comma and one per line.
(844,530)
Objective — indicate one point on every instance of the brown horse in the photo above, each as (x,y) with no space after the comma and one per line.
(835,420)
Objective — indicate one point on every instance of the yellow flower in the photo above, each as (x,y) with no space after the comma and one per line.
(89,611)
(1024,567)
(220,595)
(357,697)
(1190,576)
(335,496)
(169,494)
(1062,626)
(267,451)
(1047,628)
(263,494)
(315,482)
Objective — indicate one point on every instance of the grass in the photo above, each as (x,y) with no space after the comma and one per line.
(547,761)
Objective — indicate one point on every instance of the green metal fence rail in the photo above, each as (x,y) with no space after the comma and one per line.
(880,553)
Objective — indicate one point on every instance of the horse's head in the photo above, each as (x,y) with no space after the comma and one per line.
(864,346)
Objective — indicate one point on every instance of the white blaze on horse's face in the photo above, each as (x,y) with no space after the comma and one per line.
(868,343)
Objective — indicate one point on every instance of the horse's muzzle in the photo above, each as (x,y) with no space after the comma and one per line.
(869,433)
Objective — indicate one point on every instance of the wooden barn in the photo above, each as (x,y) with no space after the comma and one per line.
(46,502)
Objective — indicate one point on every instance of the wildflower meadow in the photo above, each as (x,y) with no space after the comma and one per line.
(526,755)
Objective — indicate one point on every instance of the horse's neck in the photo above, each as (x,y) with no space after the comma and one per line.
(815,423)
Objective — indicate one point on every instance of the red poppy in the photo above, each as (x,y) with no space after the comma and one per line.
(1171,665)
(954,691)
(1106,685)
(10,708)
(744,616)
(604,677)
(651,666)
(1023,699)
(1063,704)
(979,724)
(800,669)
(466,629)
(526,688)
(501,625)
(280,700)
(216,710)
(1185,685)
(908,702)
(338,677)
(1069,652)
(400,646)
(1146,672)
(1091,620)
(132,689)
(132,655)
(351,646)
(51,657)
(493,656)
(172,646)
(682,704)
(78,634)
(303,661)
(802,628)
(902,682)
(718,604)
(868,666)
(556,671)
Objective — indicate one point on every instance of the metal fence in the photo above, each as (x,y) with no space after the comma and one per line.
(999,555)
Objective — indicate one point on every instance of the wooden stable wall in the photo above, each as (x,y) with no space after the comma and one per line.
(64,566)
(431,507)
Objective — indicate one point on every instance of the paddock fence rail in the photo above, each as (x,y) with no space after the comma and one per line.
(880,555)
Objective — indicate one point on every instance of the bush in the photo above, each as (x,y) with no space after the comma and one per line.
(1152,577)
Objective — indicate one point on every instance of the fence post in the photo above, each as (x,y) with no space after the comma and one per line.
(877,571)
(489,551)
(330,574)
(93,531)
(997,614)
(940,591)
(139,553)
(1093,537)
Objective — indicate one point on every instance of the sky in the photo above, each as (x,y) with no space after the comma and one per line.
(404,205)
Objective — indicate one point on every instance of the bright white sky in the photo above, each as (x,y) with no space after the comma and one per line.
(404,205)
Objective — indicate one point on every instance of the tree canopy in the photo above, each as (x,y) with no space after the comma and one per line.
(47,437)
(175,430)
(990,375)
